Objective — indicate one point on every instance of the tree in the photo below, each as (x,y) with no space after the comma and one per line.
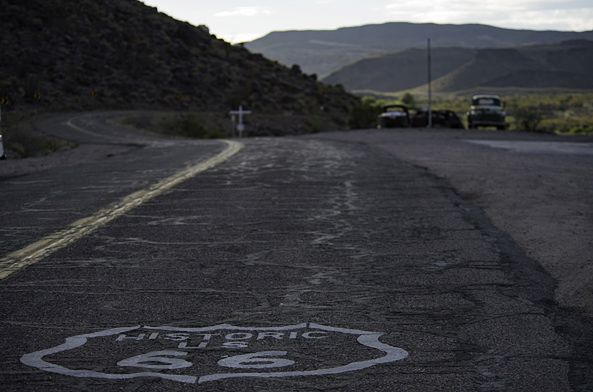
(409,100)
(528,119)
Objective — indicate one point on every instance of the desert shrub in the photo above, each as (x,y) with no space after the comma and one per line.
(16,147)
(584,129)
(296,69)
(409,100)
(191,125)
(316,124)
(140,122)
(528,119)
(22,141)
(364,115)
(569,125)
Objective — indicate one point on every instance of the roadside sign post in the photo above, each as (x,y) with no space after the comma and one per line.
(237,119)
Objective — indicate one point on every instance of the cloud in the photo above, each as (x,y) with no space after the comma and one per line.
(244,11)
(242,37)
(537,14)
(447,10)
(561,19)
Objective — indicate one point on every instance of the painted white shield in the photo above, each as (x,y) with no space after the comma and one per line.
(260,364)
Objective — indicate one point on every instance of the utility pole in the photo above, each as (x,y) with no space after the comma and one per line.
(429,84)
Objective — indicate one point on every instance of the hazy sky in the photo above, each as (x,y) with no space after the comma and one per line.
(238,21)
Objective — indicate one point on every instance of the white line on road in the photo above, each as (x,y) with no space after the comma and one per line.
(38,250)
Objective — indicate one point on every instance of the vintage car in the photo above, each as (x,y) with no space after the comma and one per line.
(394,116)
(440,119)
(486,111)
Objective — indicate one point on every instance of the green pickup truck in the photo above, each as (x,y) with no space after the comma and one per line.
(486,111)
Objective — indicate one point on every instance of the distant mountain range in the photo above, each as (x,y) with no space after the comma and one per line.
(122,54)
(326,51)
(566,65)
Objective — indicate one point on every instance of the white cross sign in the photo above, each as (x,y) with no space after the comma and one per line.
(240,124)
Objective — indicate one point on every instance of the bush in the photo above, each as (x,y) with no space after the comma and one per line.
(190,125)
(316,124)
(24,143)
(528,119)
(569,125)
(364,115)
(409,100)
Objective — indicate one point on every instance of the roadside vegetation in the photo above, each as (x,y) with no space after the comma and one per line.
(193,125)
(215,125)
(560,113)
(570,114)
(22,140)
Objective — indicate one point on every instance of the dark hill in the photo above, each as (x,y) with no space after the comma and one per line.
(80,54)
(400,71)
(566,65)
(326,51)
(563,65)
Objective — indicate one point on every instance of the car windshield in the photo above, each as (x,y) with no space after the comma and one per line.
(486,102)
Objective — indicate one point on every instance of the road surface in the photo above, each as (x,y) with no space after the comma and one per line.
(332,262)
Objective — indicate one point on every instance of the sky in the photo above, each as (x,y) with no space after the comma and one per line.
(240,21)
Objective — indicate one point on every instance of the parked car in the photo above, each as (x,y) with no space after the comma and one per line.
(440,119)
(394,116)
(486,111)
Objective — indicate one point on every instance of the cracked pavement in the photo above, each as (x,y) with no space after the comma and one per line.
(304,232)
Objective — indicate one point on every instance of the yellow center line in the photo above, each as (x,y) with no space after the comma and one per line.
(38,250)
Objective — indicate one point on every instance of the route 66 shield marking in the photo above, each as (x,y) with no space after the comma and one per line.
(186,354)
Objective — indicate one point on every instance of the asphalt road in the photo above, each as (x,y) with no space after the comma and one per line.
(536,188)
(297,264)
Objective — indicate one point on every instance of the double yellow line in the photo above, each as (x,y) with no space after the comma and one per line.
(38,250)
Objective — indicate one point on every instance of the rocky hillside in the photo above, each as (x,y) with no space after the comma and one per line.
(325,51)
(565,65)
(86,54)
